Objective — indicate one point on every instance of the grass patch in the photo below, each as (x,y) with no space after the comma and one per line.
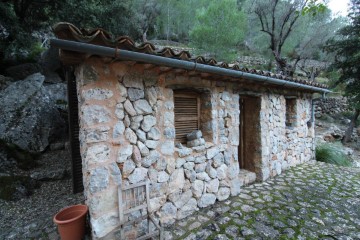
(330,153)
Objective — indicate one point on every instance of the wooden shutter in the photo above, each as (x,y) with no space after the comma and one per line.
(187,114)
(74,132)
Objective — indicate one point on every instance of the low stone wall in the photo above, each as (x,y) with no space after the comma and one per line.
(330,106)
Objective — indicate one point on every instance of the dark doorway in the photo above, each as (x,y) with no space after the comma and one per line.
(250,140)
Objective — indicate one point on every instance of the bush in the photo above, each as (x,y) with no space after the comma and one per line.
(331,153)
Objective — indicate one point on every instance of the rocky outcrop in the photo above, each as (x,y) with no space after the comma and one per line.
(29,116)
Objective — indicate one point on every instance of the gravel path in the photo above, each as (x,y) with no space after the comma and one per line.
(31,218)
(311,201)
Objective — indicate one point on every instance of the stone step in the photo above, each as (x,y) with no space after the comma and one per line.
(246,177)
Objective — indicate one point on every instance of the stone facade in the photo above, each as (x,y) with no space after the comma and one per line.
(127,135)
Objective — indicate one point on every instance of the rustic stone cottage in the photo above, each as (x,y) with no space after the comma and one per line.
(136,106)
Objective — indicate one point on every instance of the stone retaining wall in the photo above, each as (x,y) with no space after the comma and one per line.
(331,106)
(127,136)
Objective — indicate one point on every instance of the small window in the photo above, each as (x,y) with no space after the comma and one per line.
(290,112)
(187,113)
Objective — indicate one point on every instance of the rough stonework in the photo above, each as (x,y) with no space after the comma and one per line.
(127,135)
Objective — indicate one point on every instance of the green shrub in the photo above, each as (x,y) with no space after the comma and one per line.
(331,153)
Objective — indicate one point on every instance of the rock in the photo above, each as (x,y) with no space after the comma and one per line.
(200,167)
(190,174)
(29,118)
(142,107)
(154,133)
(235,185)
(206,200)
(180,199)
(177,180)
(138,175)
(23,70)
(58,94)
(151,144)
(94,114)
(136,155)
(168,214)
(189,208)
(141,135)
(143,149)
(47,175)
(222,172)
(129,108)
(151,95)
(203,176)
(119,129)
(212,152)
(52,77)
(128,168)
(169,133)
(135,94)
(17,187)
(167,148)
(218,160)
(196,142)
(148,122)
(130,136)
(223,193)
(197,134)
(180,162)
(212,186)
(151,158)
(189,165)
(133,81)
(119,111)
(163,177)
(135,122)
(50,61)
(211,171)
(125,151)
(183,152)
(5,82)
(99,179)
(197,188)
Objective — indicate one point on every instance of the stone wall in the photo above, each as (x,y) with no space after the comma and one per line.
(127,136)
(330,106)
(283,146)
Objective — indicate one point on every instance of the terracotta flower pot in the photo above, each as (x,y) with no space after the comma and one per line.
(71,222)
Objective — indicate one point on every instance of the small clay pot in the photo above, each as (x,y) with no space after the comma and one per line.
(71,222)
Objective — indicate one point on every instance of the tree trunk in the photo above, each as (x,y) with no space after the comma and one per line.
(348,132)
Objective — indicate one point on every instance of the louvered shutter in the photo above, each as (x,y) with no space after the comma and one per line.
(74,132)
(187,114)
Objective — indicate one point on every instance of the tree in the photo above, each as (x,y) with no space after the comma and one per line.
(278,18)
(346,46)
(218,28)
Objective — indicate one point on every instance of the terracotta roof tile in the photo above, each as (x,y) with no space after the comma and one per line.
(101,37)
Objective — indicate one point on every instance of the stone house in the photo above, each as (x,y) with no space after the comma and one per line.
(136,105)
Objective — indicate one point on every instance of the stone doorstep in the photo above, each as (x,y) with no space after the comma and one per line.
(246,177)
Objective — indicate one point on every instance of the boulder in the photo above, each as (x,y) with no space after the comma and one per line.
(23,70)
(50,61)
(29,117)
(5,82)
(58,94)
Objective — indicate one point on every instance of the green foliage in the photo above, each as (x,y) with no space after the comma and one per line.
(218,29)
(346,47)
(330,153)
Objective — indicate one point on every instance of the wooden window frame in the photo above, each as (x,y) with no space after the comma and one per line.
(179,119)
(290,112)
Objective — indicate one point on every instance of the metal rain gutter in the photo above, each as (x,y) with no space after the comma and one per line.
(170,62)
